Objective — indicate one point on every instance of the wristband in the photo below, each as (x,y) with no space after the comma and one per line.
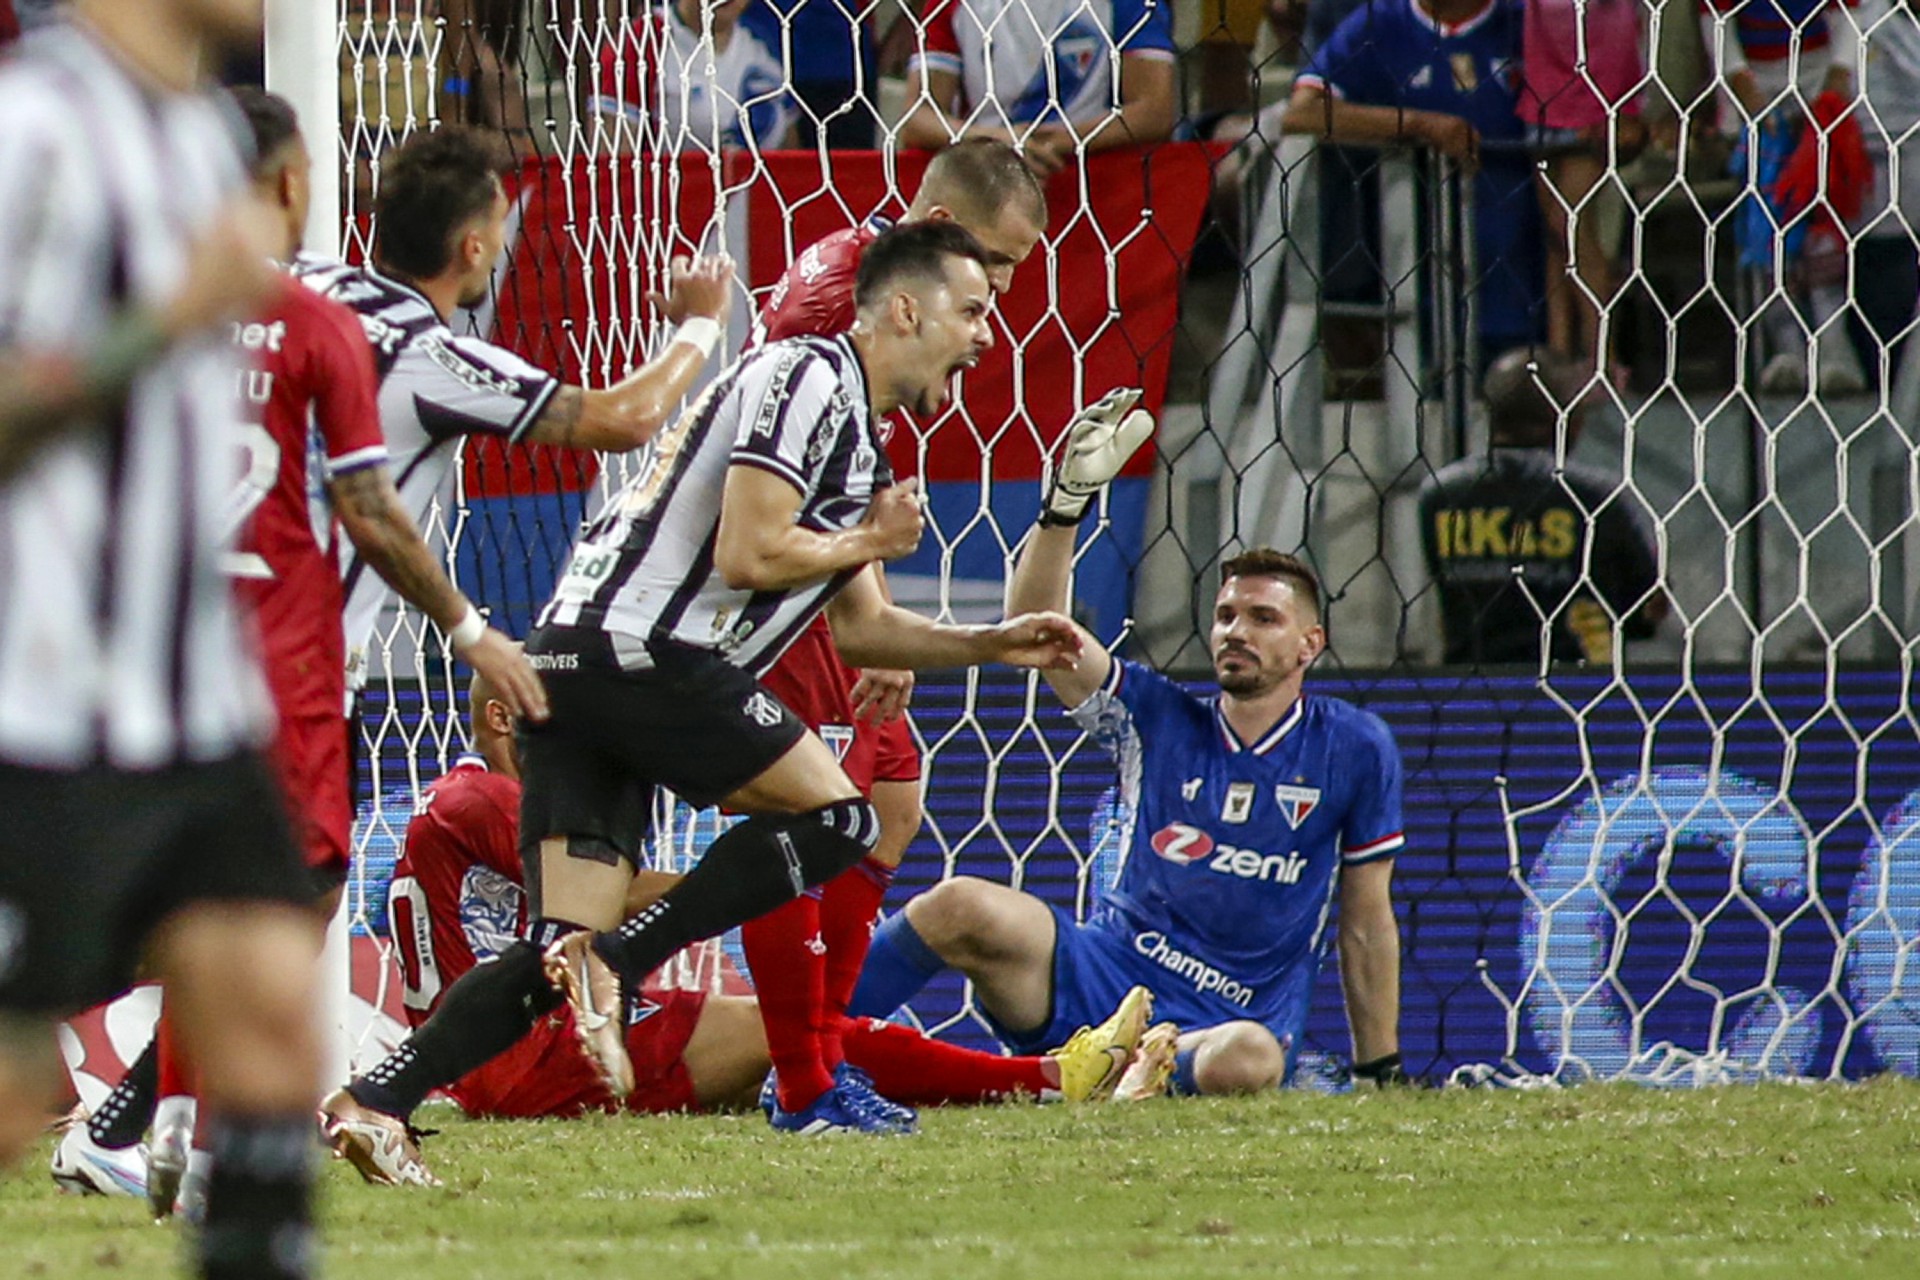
(703,333)
(467,632)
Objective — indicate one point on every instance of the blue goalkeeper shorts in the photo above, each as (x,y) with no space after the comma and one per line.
(1093,967)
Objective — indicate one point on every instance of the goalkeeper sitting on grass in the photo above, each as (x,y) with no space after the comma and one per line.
(1243,814)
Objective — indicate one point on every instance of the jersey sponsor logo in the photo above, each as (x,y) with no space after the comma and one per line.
(762,710)
(473,375)
(1239,805)
(554,661)
(1296,803)
(1204,977)
(1182,844)
(256,336)
(489,911)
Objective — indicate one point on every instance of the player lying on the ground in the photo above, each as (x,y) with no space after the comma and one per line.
(768,500)
(1245,813)
(457,898)
(806,955)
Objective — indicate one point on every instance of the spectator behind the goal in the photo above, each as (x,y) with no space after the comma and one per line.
(1582,73)
(1443,74)
(1041,75)
(827,47)
(1787,63)
(678,78)
(1506,533)
(1886,268)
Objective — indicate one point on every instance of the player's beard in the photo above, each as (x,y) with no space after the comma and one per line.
(476,293)
(1247,679)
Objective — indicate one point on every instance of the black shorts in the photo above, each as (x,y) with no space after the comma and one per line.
(93,860)
(695,724)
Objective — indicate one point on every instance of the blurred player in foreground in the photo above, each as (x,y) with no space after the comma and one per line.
(457,898)
(768,500)
(806,955)
(1244,814)
(312,462)
(142,821)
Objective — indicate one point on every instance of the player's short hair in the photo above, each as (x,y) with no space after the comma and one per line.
(978,177)
(1265,562)
(916,251)
(429,190)
(1528,391)
(270,120)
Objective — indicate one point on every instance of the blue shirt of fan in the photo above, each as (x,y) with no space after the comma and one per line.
(829,39)
(1233,849)
(1393,53)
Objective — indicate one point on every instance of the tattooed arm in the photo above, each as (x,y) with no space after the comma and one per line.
(377,523)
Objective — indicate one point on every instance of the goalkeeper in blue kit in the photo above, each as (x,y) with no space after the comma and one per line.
(1242,816)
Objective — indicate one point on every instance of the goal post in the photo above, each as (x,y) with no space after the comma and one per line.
(1690,859)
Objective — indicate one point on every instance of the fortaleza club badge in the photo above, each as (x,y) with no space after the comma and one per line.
(1296,803)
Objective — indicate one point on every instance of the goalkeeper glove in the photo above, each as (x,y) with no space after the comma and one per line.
(1385,1072)
(1100,439)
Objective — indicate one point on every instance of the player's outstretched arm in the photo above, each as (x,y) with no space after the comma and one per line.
(870,631)
(376,520)
(760,548)
(1098,443)
(624,416)
(1369,946)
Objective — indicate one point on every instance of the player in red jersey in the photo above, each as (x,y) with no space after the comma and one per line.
(806,956)
(312,450)
(457,898)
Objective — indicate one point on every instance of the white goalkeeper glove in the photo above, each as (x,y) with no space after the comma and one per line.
(1099,441)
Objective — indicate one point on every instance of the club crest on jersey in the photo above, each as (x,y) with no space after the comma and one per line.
(1239,804)
(762,710)
(1296,803)
(640,1008)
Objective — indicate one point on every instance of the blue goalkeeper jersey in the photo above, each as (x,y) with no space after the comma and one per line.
(1232,850)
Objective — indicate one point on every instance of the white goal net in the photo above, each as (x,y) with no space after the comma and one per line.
(1681,850)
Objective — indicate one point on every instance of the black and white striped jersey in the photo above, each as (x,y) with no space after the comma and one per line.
(436,387)
(120,641)
(645,569)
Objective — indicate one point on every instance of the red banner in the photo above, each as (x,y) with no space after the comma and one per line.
(1094,308)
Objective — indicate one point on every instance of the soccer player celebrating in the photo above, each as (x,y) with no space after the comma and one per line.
(1245,813)
(440,226)
(806,955)
(458,897)
(140,818)
(310,394)
(769,499)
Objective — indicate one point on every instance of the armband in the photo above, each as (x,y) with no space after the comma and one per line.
(703,333)
(467,632)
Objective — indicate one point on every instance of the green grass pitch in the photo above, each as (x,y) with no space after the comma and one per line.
(1775,1180)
